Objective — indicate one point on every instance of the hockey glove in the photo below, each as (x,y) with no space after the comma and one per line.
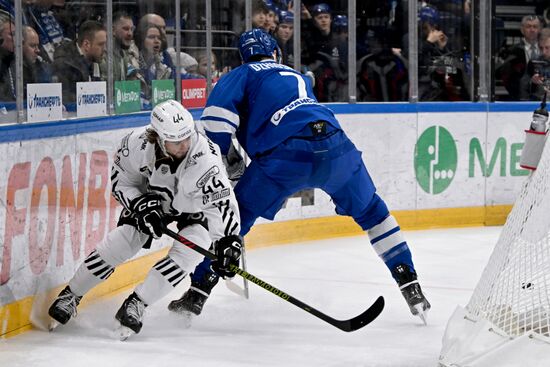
(234,164)
(228,253)
(148,211)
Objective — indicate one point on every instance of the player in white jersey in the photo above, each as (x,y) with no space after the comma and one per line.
(167,172)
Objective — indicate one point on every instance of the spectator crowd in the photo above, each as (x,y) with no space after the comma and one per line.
(68,46)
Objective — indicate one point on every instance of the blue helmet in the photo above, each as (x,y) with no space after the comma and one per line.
(286,17)
(320,9)
(429,15)
(257,42)
(340,23)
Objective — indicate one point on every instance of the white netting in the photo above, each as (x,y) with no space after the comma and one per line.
(514,290)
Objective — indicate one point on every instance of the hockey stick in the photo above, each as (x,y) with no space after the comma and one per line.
(245,281)
(346,325)
(233,287)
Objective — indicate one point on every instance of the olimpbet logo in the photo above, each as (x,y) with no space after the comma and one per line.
(435,160)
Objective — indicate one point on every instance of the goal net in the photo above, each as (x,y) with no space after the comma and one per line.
(507,320)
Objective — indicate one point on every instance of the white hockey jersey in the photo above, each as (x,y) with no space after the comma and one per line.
(197,184)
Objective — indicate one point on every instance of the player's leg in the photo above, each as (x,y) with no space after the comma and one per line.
(358,199)
(257,195)
(119,245)
(166,274)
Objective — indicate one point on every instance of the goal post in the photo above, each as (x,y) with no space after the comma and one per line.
(507,320)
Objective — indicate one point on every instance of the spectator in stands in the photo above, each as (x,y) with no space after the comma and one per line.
(341,34)
(321,53)
(283,35)
(202,64)
(168,53)
(440,75)
(125,57)
(317,27)
(35,70)
(514,66)
(386,19)
(39,15)
(154,19)
(259,15)
(187,62)
(272,19)
(159,21)
(7,58)
(148,38)
(536,82)
(317,33)
(382,72)
(78,61)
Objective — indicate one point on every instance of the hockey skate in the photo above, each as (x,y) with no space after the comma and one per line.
(192,301)
(63,308)
(130,316)
(411,291)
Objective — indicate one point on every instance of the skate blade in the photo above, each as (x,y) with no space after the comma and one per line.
(124,333)
(420,312)
(52,325)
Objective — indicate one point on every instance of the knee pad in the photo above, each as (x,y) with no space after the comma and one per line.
(121,244)
(161,280)
(97,266)
(170,270)
(90,273)
(375,213)
(185,257)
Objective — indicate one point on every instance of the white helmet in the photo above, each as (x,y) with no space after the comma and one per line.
(172,122)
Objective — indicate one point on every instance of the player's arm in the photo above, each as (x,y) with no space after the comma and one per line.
(129,186)
(127,181)
(219,206)
(234,164)
(220,118)
(224,224)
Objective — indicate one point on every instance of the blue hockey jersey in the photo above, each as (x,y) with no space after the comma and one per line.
(264,103)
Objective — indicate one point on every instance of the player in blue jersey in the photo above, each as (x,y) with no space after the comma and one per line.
(294,143)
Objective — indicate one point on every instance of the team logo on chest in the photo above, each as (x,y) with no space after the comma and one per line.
(164,170)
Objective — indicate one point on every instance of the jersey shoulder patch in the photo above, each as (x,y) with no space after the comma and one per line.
(204,162)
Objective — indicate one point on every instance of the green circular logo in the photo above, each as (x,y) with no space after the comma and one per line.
(435,159)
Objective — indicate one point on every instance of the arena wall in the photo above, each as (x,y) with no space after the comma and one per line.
(436,165)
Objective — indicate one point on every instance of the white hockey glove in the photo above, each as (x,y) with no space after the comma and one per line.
(148,211)
(228,252)
(234,164)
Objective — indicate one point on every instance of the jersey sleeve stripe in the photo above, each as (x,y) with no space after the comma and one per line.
(221,113)
(218,126)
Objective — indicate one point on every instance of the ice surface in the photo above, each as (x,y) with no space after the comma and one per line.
(340,277)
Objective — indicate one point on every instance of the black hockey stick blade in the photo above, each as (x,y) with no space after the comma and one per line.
(364,319)
(353,324)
